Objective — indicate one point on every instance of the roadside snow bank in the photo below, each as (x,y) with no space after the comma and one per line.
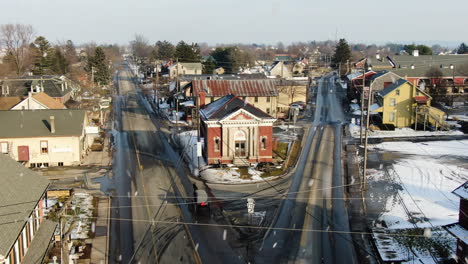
(354,130)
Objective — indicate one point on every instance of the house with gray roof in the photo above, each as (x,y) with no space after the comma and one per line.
(43,138)
(58,87)
(416,68)
(25,231)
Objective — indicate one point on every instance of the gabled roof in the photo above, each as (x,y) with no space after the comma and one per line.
(378,74)
(392,87)
(219,88)
(36,123)
(21,190)
(228,105)
(422,64)
(48,101)
(462,191)
(6,103)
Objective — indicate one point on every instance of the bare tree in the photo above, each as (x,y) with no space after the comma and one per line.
(16,38)
(140,47)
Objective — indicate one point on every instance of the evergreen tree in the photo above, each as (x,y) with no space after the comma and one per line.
(165,50)
(41,51)
(423,49)
(187,53)
(342,54)
(59,64)
(462,49)
(209,66)
(228,58)
(99,65)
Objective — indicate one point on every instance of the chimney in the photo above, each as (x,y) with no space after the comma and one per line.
(52,124)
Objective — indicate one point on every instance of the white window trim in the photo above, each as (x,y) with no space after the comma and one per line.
(2,145)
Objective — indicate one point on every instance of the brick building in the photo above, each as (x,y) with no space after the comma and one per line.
(236,132)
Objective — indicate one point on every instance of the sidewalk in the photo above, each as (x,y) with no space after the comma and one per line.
(100,242)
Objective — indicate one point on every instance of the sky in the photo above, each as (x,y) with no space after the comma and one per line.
(242,21)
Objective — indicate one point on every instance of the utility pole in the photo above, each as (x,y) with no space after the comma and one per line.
(198,133)
(362,101)
(92,74)
(364,172)
(177,93)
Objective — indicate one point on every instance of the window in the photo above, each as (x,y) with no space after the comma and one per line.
(4,147)
(32,165)
(264,142)
(268,110)
(397,92)
(216,144)
(391,118)
(268,99)
(44,147)
(256,99)
(196,71)
(60,164)
(417,93)
(392,102)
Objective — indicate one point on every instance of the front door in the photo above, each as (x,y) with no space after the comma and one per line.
(240,149)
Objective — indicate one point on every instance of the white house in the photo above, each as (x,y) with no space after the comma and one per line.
(44,138)
(185,68)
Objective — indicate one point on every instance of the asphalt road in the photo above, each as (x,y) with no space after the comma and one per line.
(155,193)
(310,227)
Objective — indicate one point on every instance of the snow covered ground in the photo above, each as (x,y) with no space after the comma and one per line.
(228,175)
(417,195)
(427,172)
(401,132)
(188,141)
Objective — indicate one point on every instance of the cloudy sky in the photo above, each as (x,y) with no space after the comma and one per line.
(246,21)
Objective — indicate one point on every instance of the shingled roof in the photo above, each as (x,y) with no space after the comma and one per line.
(228,105)
(392,87)
(35,123)
(21,86)
(22,189)
(248,88)
(6,103)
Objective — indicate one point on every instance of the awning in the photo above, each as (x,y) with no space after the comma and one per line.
(421,99)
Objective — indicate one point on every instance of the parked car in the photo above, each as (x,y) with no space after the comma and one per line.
(202,207)
(300,105)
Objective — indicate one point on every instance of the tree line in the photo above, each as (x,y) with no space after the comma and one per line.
(27,53)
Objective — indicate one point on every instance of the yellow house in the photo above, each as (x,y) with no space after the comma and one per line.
(403,104)
(261,93)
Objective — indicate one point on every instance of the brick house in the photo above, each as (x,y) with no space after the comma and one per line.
(236,132)
(460,229)
(25,232)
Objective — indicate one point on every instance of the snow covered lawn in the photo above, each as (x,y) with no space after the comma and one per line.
(354,130)
(427,173)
